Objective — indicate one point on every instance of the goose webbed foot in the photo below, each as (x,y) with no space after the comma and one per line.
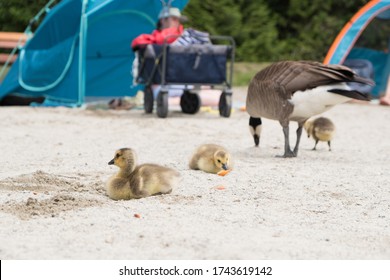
(257,140)
(287,154)
(315,146)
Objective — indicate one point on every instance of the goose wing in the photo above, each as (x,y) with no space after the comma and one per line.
(290,76)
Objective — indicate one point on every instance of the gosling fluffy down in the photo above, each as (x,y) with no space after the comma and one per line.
(211,158)
(321,129)
(134,181)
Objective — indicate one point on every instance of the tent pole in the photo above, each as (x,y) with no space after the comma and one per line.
(82,53)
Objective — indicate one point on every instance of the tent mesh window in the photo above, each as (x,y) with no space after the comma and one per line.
(375,36)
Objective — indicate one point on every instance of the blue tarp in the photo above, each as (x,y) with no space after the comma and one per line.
(82,49)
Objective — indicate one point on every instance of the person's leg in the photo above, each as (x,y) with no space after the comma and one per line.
(385,100)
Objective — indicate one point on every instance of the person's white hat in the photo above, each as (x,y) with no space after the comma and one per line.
(171,12)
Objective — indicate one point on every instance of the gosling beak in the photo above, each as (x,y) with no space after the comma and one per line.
(111,162)
(224,166)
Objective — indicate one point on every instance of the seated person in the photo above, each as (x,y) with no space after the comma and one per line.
(169,24)
(169,29)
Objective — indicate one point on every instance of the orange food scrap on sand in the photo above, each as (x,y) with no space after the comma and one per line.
(137,216)
(223,172)
(221,188)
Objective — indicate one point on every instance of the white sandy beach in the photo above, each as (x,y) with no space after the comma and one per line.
(320,205)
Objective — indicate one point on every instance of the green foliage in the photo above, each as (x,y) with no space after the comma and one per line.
(16,14)
(244,72)
(216,17)
(259,34)
(271,30)
(264,30)
(308,27)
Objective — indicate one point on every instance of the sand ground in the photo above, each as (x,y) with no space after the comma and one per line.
(320,205)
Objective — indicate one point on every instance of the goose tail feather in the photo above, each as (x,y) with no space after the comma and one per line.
(354,94)
(363,80)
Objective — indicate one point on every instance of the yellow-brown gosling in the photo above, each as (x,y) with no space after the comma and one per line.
(295,91)
(211,158)
(321,129)
(134,181)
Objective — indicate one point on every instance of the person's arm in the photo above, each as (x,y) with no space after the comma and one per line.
(143,39)
(159,36)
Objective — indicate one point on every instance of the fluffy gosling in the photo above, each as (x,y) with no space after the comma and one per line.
(321,129)
(134,181)
(211,158)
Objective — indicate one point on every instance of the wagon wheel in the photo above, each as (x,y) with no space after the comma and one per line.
(148,100)
(162,104)
(225,104)
(190,102)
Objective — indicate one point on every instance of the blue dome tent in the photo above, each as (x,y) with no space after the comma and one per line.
(366,37)
(82,49)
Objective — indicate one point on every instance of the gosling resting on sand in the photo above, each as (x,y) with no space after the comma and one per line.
(134,181)
(211,158)
(321,129)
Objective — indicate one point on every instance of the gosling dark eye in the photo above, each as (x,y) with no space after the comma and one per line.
(117,155)
(219,161)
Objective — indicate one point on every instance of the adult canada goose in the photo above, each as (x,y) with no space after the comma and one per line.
(321,129)
(296,90)
(211,158)
(134,181)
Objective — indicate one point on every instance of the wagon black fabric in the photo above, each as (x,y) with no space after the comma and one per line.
(192,64)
